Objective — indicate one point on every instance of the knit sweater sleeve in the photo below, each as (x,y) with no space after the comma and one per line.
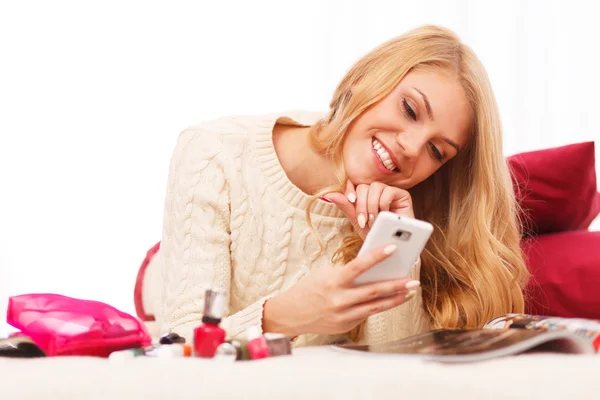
(196,237)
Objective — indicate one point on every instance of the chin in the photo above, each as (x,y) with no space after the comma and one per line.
(360,178)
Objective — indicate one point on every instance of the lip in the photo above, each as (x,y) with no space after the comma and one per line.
(391,153)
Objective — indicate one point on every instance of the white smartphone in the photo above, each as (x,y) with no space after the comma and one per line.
(409,234)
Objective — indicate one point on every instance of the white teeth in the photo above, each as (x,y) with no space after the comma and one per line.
(383,155)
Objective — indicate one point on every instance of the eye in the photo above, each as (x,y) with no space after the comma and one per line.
(409,110)
(436,153)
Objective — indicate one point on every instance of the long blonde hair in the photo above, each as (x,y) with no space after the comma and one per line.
(472,267)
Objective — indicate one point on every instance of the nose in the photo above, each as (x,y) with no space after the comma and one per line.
(412,143)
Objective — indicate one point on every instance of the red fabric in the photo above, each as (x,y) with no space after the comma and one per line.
(566,274)
(557,187)
(594,211)
(137,291)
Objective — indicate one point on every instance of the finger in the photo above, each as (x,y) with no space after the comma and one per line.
(343,204)
(372,291)
(350,192)
(364,262)
(375,191)
(386,198)
(402,204)
(362,191)
(365,310)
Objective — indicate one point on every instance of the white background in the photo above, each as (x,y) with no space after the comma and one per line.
(93,95)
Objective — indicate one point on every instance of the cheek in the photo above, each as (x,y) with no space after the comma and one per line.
(353,148)
(354,162)
(349,155)
(347,159)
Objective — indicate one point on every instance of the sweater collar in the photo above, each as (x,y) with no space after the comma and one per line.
(266,157)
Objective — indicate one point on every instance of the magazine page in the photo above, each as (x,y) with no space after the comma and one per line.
(588,329)
(475,345)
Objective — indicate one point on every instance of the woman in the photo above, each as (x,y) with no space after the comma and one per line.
(273,209)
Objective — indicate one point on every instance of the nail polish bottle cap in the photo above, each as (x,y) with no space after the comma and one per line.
(226,352)
(170,338)
(253,333)
(214,306)
(278,344)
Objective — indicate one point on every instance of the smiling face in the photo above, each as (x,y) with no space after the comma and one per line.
(409,134)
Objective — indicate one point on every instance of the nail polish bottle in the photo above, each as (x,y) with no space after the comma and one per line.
(226,352)
(209,335)
(239,347)
(242,349)
(257,344)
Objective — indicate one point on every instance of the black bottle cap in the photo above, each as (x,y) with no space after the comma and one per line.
(171,338)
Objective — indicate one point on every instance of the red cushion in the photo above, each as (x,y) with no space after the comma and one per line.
(565,270)
(556,187)
(139,283)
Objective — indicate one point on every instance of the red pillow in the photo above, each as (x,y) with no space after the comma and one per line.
(138,300)
(565,270)
(556,187)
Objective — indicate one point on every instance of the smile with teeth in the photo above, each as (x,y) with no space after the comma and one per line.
(384,156)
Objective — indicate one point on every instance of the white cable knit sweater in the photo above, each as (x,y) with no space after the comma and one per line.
(234,221)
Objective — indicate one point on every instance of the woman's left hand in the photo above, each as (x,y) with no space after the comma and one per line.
(362,203)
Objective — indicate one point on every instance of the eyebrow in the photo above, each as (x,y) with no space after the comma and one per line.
(451,143)
(427,105)
(430,113)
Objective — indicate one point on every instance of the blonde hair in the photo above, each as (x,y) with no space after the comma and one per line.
(472,268)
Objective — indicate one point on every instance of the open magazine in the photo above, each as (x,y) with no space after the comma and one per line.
(506,335)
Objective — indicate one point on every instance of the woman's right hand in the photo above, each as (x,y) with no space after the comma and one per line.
(327,302)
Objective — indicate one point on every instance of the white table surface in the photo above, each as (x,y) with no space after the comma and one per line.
(310,373)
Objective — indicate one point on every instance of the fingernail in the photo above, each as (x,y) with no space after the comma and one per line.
(410,295)
(361,220)
(412,284)
(351,198)
(389,249)
(324,198)
(371,219)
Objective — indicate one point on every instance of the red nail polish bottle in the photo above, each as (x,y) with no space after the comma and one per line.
(257,344)
(209,335)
